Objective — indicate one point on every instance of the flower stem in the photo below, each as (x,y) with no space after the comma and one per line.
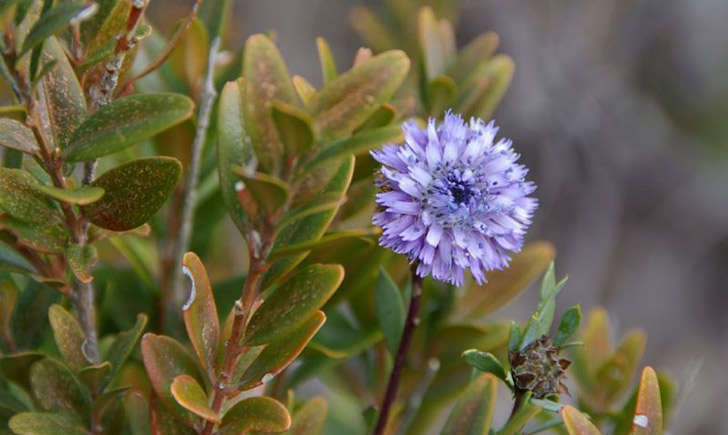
(404,343)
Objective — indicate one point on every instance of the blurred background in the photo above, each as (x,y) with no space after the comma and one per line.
(621,111)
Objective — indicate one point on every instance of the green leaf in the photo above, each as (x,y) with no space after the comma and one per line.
(294,128)
(390,310)
(123,346)
(345,103)
(473,411)
(80,196)
(46,423)
(136,408)
(540,322)
(62,99)
(337,178)
(188,393)
(278,354)
(648,412)
(48,239)
(8,300)
(255,414)
(568,325)
(437,42)
(357,144)
(200,313)
(266,80)
(309,419)
(504,285)
(109,21)
(16,367)
(69,337)
(80,259)
(384,115)
(294,302)
(327,240)
(15,135)
(577,423)
(56,389)
(165,359)
(134,192)
(233,149)
(269,193)
(126,122)
(485,362)
(52,22)
(328,65)
(614,377)
(21,199)
(93,377)
(514,337)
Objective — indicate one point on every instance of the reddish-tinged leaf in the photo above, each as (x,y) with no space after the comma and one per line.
(648,412)
(576,423)
(200,312)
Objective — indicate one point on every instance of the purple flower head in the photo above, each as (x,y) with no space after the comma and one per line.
(453,199)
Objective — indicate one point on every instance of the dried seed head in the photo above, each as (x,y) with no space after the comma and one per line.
(539,369)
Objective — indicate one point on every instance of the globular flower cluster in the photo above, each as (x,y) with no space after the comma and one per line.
(452,198)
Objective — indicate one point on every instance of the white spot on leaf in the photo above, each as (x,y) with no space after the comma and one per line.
(192,295)
(641,420)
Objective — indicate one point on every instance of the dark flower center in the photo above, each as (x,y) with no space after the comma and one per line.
(461,191)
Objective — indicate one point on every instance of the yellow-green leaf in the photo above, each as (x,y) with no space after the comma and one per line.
(69,336)
(46,423)
(294,128)
(79,196)
(188,393)
(15,135)
(263,414)
(328,65)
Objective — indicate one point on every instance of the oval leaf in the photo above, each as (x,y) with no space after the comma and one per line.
(473,410)
(262,414)
(80,196)
(294,302)
(200,312)
(56,389)
(648,412)
(294,128)
(134,192)
(310,418)
(50,239)
(126,122)
(346,102)
(279,354)
(390,310)
(266,80)
(165,359)
(15,135)
(233,149)
(188,393)
(69,336)
(568,325)
(51,22)
(357,144)
(46,423)
(485,362)
(122,347)
(576,423)
(20,199)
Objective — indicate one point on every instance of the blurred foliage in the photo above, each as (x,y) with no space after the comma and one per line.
(91,338)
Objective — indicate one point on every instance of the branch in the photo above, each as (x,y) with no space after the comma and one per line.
(207,97)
